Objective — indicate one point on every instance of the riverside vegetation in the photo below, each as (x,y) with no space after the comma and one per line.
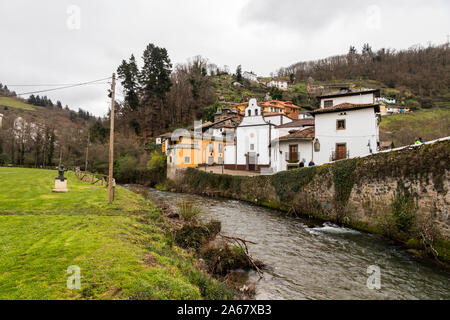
(124,250)
(220,255)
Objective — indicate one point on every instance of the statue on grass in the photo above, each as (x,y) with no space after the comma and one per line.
(61,181)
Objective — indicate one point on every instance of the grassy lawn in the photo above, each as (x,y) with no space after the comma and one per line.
(15,103)
(123,250)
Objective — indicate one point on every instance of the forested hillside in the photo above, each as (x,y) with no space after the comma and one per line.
(418,74)
(39,135)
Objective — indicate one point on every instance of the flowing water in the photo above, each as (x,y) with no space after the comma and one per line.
(309,260)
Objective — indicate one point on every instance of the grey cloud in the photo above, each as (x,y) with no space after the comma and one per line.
(37,46)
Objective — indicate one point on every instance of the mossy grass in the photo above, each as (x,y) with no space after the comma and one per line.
(123,249)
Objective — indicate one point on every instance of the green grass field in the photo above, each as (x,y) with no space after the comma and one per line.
(404,129)
(123,250)
(15,103)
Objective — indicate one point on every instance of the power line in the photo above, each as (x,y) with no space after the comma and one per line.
(64,87)
(50,85)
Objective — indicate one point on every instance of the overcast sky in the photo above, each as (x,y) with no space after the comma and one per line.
(59,42)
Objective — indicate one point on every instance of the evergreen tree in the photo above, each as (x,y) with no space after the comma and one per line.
(129,74)
(352,50)
(276,93)
(239,74)
(155,83)
(155,74)
(32,100)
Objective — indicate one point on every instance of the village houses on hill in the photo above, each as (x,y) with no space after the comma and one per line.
(274,136)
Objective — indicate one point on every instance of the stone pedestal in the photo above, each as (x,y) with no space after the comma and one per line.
(60,186)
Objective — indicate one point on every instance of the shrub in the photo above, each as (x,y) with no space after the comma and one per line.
(124,167)
(3,158)
(157,161)
(192,236)
(403,210)
(188,211)
(222,258)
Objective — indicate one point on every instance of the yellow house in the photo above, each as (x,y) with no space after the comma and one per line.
(193,151)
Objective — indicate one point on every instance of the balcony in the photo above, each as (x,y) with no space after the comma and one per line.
(334,156)
(292,157)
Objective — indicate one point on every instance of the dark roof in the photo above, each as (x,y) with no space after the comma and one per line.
(273,114)
(298,123)
(346,106)
(307,133)
(349,93)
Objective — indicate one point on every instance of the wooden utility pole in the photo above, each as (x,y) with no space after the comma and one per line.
(87,151)
(111,140)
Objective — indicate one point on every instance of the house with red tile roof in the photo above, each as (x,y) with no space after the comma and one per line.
(343,130)
(347,125)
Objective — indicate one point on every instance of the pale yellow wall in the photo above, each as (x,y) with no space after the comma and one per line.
(198,155)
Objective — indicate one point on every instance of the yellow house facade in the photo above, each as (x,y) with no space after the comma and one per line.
(194,152)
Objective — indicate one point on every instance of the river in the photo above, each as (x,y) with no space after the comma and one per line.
(310,260)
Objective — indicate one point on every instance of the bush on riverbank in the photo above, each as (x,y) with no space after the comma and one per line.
(196,235)
(221,258)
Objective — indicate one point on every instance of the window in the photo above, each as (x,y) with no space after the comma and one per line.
(187,159)
(252,147)
(211,147)
(220,147)
(328,103)
(249,112)
(256,112)
(340,125)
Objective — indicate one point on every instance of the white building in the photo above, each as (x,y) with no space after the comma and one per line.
(293,145)
(355,97)
(280,84)
(305,115)
(338,131)
(346,130)
(252,150)
(277,118)
(250,76)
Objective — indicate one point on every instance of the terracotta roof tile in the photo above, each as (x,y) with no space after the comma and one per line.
(306,133)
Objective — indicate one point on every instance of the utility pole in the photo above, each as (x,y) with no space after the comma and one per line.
(87,151)
(111,140)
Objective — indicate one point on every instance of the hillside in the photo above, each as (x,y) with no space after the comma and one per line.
(418,75)
(404,129)
(12,107)
(37,136)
